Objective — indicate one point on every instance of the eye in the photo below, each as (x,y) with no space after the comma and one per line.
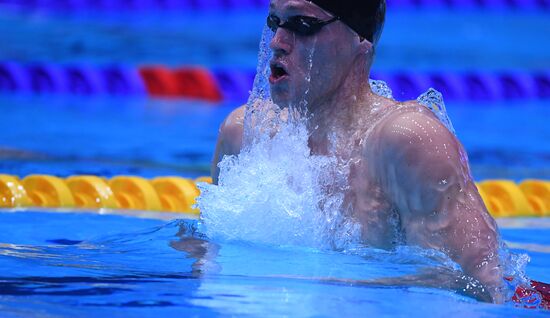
(273,22)
(305,25)
(307,21)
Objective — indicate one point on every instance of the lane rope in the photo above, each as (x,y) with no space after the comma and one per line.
(503,198)
(234,85)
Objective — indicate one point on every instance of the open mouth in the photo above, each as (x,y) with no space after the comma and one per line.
(278,72)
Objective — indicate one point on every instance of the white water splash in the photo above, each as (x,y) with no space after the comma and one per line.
(275,192)
(381,88)
(434,101)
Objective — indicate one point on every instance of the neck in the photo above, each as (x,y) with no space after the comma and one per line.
(336,113)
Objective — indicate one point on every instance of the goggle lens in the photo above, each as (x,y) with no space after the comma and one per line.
(300,25)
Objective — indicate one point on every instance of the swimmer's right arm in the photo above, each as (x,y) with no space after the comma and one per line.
(230,139)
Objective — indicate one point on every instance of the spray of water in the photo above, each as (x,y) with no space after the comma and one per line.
(276,192)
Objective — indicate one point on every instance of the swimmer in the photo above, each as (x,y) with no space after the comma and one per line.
(407,171)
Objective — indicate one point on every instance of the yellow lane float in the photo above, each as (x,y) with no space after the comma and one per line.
(166,194)
(48,191)
(135,193)
(91,192)
(12,193)
(537,193)
(176,194)
(503,198)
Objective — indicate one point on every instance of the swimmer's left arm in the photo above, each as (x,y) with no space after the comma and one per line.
(427,178)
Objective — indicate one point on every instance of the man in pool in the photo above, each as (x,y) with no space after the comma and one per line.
(409,178)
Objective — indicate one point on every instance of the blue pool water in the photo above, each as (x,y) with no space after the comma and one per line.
(88,265)
(127,267)
(153,138)
(450,40)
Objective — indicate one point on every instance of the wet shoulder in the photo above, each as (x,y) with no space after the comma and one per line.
(409,126)
(235,119)
(411,143)
(232,128)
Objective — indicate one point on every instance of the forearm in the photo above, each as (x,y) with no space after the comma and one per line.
(472,239)
(478,252)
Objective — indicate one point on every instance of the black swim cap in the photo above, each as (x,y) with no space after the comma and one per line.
(366,17)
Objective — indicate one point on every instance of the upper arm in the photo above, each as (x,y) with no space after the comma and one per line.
(427,178)
(422,157)
(229,141)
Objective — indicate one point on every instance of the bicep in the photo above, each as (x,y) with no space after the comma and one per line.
(424,164)
(429,182)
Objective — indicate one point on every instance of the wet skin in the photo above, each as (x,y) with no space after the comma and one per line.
(409,177)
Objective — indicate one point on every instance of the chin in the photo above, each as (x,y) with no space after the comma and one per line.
(280,96)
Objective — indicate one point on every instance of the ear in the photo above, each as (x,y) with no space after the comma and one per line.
(365,46)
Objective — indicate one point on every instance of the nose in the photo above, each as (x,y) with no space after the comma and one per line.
(282,42)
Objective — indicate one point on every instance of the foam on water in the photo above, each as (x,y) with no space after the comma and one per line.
(275,192)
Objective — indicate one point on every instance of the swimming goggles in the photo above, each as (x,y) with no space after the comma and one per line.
(298,24)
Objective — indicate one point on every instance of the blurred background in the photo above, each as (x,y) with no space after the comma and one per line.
(140,87)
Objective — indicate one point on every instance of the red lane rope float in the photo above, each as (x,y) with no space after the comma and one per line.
(197,83)
(159,81)
(193,82)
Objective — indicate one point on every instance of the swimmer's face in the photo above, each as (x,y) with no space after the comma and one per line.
(309,68)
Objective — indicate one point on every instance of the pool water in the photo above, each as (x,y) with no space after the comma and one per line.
(127,267)
(151,138)
(75,264)
(89,264)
